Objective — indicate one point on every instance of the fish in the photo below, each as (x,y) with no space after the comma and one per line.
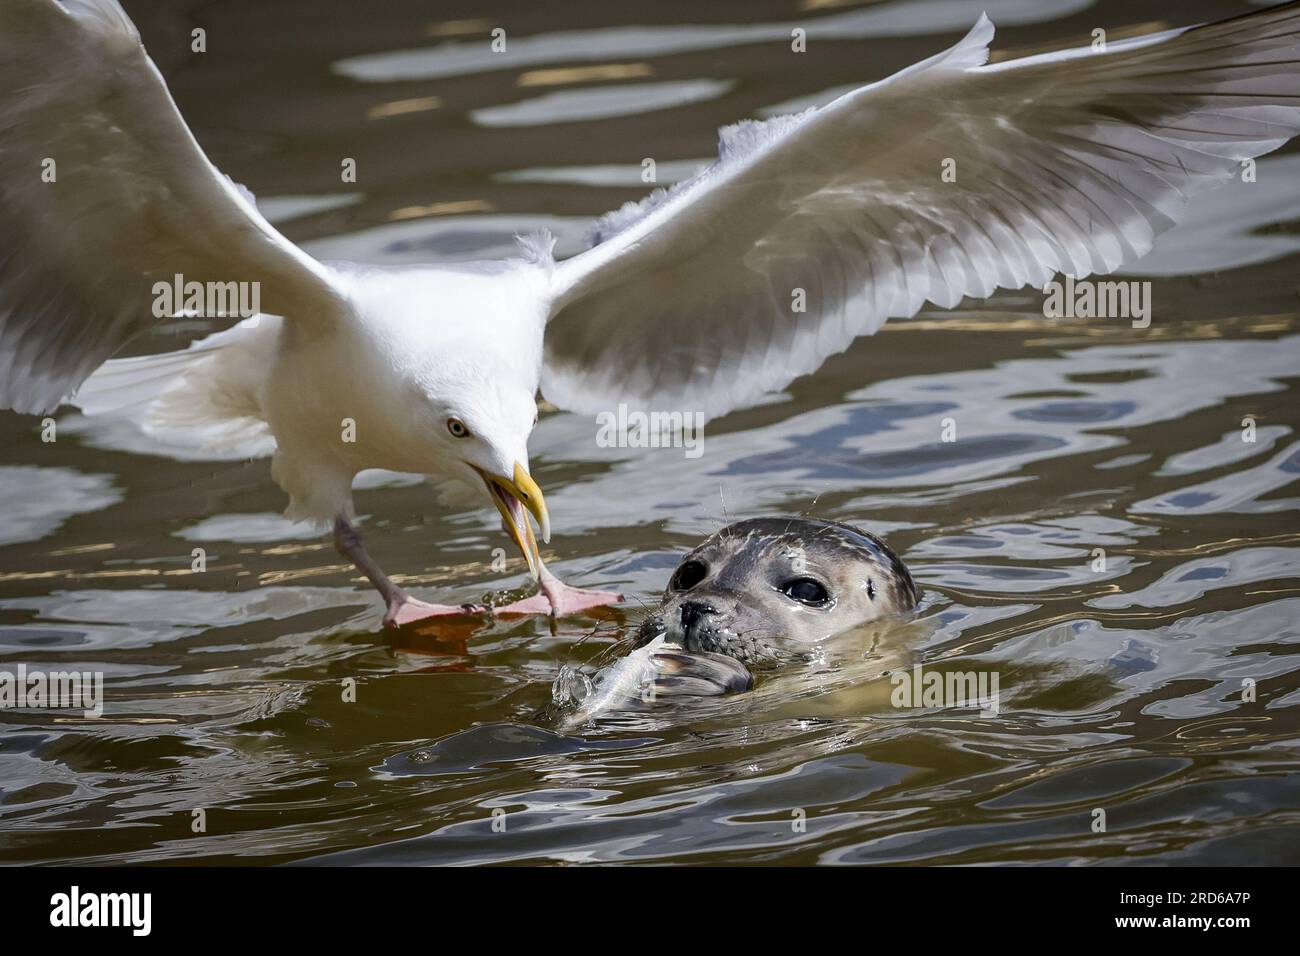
(660,668)
(625,680)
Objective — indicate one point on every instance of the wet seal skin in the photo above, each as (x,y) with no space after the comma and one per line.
(767,591)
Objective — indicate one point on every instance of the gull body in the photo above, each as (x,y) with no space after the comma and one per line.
(377,391)
(1070,162)
(399,372)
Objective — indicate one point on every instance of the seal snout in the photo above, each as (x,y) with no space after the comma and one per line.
(699,625)
(692,612)
(711,623)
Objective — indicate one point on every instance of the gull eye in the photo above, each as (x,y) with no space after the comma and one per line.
(688,575)
(457,428)
(807,591)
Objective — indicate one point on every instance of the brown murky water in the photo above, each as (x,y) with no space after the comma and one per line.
(1100,534)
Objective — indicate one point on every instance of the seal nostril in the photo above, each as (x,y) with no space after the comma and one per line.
(692,611)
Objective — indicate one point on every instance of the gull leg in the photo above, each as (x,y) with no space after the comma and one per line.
(400,607)
(558,599)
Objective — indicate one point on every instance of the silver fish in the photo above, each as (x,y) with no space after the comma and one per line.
(623,681)
(660,668)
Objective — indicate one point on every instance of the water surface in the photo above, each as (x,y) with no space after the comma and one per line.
(1121,678)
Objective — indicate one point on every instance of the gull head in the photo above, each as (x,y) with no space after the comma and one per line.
(459,350)
(482,424)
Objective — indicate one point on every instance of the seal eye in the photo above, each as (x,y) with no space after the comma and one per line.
(806,591)
(688,575)
(457,428)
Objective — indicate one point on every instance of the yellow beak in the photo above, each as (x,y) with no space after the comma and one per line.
(513,496)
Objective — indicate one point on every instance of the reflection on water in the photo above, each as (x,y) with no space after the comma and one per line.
(626,100)
(919,18)
(1100,533)
(63,493)
(666,174)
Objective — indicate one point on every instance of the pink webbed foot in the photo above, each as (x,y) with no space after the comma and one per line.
(537,604)
(403,610)
(560,600)
(566,600)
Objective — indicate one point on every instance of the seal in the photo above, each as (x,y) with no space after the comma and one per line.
(766,591)
(757,594)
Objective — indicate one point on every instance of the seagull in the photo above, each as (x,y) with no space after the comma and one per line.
(950,179)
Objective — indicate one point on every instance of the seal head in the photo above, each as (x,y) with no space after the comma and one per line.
(768,590)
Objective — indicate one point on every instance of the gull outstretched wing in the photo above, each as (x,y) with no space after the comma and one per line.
(948,179)
(103,193)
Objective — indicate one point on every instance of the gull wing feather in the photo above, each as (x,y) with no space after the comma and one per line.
(1069,162)
(103,193)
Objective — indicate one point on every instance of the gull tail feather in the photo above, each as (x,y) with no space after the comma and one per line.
(202,398)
